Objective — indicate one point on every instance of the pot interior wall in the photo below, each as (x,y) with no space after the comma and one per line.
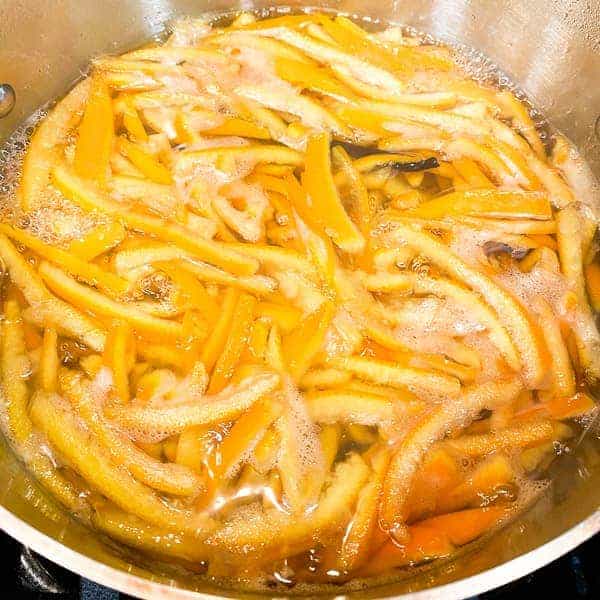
(550,48)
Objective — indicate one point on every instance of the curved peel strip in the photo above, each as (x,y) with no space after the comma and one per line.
(388,373)
(51,132)
(524,333)
(349,407)
(569,237)
(86,196)
(80,268)
(51,414)
(324,199)
(409,453)
(90,300)
(527,434)
(135,533)
(486,203)
(48,308)
(422,284)
(145,422)
(563,377)
(14,366)
(96,133)
(168,478)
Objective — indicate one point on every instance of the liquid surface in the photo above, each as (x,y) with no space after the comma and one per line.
(288,302)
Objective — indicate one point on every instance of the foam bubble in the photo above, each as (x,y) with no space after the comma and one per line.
(299,290)
(188,32)
(417,317)
(102,383)
(12,153)
(56,221)
(300,444)
(493,367)
(541,281)
(343,337)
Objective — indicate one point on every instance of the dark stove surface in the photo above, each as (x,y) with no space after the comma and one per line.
(29,576)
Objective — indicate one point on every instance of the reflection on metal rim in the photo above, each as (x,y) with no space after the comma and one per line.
(143,588)
(527,40)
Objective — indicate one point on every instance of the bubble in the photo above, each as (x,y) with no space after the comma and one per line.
(300,438)
(7,99)
(57,221)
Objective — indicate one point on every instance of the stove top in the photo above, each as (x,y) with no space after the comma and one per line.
(28,576)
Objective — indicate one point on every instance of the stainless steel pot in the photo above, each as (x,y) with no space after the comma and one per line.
(551,48)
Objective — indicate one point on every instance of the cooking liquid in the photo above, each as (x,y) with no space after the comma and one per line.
(247,493)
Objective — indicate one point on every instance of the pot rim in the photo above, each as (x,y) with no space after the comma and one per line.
(147,588)
(121,581)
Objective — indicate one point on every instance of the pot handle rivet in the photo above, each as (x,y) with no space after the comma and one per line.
(8,99)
